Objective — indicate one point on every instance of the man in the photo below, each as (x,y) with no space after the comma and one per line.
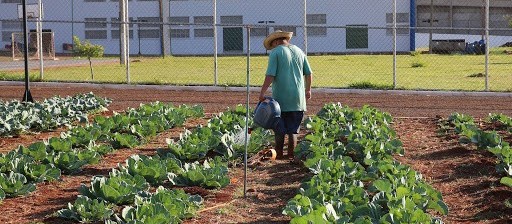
(290,75)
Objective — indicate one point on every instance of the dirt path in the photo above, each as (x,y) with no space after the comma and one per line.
(465,176)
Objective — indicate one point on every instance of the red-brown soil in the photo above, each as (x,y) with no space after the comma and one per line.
(465,176)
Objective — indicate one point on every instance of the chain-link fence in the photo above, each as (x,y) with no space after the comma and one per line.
(393,44)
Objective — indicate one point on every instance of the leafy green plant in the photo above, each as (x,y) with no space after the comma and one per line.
(356,178)
(153,169)
(211,174)
(15,184)
(119,188)
(87,210)
(418,64)
(87,49)
(369,85)
(164,206)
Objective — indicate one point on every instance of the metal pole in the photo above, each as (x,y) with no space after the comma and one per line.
(127,33)
(40,39)
(138,34)
(122,31)
(431,21)
(305,28)
(215,65)
(27,97)
(170,30)
(73,20)
(162,42)
(247,107)
(487,45)
(394,44)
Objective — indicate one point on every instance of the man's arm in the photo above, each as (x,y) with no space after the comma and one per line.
(268,80)
(309,79)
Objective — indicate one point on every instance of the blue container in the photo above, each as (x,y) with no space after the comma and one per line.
(267,113)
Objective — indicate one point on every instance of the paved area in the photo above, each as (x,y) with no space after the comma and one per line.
(34,64)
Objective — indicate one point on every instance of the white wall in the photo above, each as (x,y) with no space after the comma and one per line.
(339,13)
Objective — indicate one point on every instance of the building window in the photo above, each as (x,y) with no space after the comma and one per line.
(178,30)
(203,32)
(316,18)
(402,20)
(203,20)
(96,34)
(287,29)
(149,27)
(356,36)
(259,32)
(320,19)
(95,23)
(9,27)
(231,20)
(179,20)
(95,28)
(180,33)
(114,32)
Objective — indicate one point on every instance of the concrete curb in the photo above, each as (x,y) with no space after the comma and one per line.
(252,89)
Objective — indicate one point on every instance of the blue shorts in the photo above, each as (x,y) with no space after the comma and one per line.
(289,123)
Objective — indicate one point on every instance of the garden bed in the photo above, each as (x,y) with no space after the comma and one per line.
(466,177)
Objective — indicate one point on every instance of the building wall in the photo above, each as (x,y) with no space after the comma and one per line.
(339,14)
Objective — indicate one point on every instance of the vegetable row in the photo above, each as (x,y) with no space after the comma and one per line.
(492,141)
(21,169)
(20,117)
(199,158)
(356,179)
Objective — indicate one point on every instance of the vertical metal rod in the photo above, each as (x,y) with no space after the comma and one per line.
(40,39)
(127,33)
(394,44)
(247,107)
(431,21)
(215,65)
(72,20)
(122,32)
(305,28)
(27,97)
(161,14)
(487,45)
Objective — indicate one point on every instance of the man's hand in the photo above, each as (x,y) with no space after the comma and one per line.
(308,95)
(262,97)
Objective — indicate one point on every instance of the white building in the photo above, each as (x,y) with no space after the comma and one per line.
(334,26)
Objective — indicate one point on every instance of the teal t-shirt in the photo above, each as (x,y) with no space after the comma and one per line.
(288,65)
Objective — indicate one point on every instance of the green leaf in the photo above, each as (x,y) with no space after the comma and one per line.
(382,185)
(506,181)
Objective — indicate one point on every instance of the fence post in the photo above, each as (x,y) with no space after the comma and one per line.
(305,28)
(487,45)
(127,40)
(40,38)
(215,66)
(394,44)
(247,107)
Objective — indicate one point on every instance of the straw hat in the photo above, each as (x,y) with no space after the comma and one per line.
(267,43)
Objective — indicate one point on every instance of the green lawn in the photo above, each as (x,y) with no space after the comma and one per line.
(415,71)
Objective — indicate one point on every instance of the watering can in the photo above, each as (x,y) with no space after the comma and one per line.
(267,113)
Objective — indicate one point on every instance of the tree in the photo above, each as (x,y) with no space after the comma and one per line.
(87,49)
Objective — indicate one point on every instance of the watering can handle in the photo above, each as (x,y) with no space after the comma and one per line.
(266,98)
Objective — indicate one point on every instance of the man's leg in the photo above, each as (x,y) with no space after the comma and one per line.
(292,143)
(279,138)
